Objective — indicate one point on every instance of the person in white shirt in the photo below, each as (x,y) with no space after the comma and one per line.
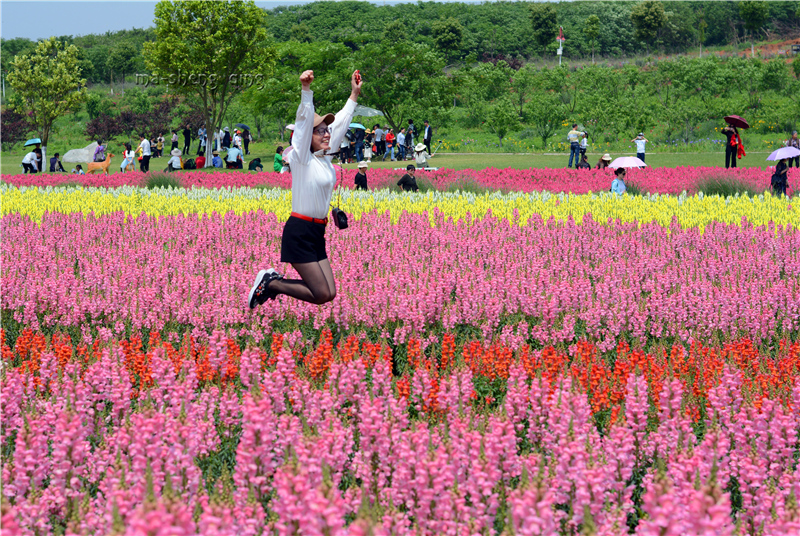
(380,141)
(144,145)
(313,181)
(584,146)
(234,158)
(640,141)
(30,163)
(401,144)
(175,163)
(127,158)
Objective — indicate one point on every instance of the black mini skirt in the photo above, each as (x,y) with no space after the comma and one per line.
(303,241)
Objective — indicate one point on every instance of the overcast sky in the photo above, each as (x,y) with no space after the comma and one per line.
(38,20)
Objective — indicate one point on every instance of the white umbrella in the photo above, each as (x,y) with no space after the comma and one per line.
(80,156)
(627,162)
(784,152)
(365,111)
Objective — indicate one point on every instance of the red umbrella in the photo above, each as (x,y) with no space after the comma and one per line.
(736,121)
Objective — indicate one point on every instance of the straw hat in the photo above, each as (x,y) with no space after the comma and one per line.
(362,164)
(319,119)
(420,147)
(606,157)
(176,152)
(215,153)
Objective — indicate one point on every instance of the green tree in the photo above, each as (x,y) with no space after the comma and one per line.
(403,77)
(448,35)
(49,84)
(210,51)
(648,18)
(544,21)
(501,118)
(701,30)
(592,30)
(277,99)
(122,59)
(301,33)
(545,112)
(754,14)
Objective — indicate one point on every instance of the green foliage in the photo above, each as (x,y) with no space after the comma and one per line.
(402,78)
(648,17)
(544,22)
(592,31)
(726,187)
(49,84)
(447,34)
(122,58)
(301,33)
(211,51)
(162,180)
(754,14)
(546,113)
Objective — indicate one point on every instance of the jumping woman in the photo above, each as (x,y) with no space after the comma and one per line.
(313,181)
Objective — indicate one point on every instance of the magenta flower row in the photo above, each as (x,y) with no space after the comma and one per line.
(653,180)
(547,282)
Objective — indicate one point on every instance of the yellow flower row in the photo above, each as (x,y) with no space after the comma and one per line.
(691,211)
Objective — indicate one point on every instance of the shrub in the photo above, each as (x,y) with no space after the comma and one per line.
(634,189)
(726,187)
(467,186)
(162,180)
(425,185)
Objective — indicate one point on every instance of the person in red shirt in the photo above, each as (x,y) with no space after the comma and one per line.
(389,137)
(200,161)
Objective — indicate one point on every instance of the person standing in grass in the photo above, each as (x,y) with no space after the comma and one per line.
(277,162)
(313,181)
(574,136)
(584,146)
(640,142)
(389,145)
(144,145)
(401,145)
(187,139)
(174,139)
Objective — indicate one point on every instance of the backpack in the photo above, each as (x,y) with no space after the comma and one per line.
(189,164)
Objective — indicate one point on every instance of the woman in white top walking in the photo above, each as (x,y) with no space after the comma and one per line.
(313,182)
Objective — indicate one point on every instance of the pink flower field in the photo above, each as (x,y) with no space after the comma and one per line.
(653,180)
(545,282)
(472,376)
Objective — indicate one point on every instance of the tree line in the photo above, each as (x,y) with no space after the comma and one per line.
(464,33)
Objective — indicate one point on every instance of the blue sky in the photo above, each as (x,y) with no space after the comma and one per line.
(37,20)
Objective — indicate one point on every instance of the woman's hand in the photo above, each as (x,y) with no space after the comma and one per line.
(306,78)
(355,85)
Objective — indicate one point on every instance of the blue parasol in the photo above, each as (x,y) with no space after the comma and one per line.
(358,125)
(33,141)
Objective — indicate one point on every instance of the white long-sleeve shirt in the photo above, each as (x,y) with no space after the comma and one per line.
(313,175)
(30,158)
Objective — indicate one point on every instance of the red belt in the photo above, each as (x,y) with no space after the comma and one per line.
(309,218)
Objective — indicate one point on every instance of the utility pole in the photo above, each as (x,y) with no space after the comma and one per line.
(560,40)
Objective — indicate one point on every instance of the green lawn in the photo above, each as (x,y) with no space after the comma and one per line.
(10,161)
